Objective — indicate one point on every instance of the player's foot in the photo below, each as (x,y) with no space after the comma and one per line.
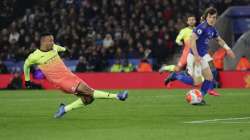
(169,68)
(161,70)
(203,102)
(170,78)
(60,112)
(122,95)
(213,92)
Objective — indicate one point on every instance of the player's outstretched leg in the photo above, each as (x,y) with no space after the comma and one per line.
(171,77)
(84,89)
(181,76)
(87,96)
(80,102)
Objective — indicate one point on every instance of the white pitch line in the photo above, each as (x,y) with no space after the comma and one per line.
(235,122)
(215,120)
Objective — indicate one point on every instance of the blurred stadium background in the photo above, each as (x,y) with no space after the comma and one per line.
(121,44)
(117,35)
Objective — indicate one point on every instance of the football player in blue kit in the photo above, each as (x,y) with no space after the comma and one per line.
(197,64)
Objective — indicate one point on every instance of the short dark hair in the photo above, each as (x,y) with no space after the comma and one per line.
(43,34)
(190,15)
(210,10)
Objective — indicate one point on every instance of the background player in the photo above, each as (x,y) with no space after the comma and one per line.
(185,35)
(48,60)
(197,64)
(182,40)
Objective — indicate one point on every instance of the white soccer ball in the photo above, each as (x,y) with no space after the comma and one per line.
(194,96)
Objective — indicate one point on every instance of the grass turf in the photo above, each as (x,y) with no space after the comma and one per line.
(146,115)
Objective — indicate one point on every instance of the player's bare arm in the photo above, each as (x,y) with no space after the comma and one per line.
(223,44)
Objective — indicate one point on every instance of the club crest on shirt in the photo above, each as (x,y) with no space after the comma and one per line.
(199,31)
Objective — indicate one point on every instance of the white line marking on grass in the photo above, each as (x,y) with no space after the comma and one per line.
(234,122)
(216,120)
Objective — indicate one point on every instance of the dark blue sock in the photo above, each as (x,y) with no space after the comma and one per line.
(206,85)
(214,72)
(181,76)
(215,76)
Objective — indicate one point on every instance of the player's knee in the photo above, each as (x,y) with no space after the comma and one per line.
(197,81)
(209,77)
(177,68)
(87,99)
(85,89)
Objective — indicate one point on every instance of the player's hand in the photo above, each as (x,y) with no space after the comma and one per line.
(28,84)
(230,53)
(197,60)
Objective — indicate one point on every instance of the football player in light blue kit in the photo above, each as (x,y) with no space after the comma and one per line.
(197,64)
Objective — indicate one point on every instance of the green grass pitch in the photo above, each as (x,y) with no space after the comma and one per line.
(146,115)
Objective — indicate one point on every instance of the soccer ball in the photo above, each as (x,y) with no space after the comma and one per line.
(194,97)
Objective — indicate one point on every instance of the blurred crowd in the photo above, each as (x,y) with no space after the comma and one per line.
(97,30)
(7,8)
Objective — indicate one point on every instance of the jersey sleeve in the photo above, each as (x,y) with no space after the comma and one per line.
(179,37)
(198,31)
(26,67)
(59,48)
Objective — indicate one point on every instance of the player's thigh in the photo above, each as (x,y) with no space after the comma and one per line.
(190,64)
(197,75)
(191,68)
(207,73)
(206,70)
(209,59)
(183,60)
